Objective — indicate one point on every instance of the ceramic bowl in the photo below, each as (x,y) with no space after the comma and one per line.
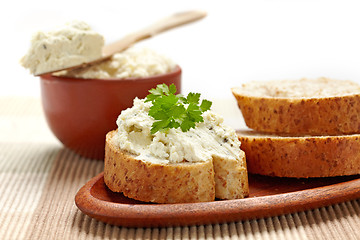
(80,112)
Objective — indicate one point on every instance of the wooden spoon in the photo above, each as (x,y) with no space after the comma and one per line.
(167,23)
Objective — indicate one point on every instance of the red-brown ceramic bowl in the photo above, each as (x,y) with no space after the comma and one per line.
(80,112)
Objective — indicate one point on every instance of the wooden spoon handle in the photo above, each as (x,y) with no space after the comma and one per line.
(167,23)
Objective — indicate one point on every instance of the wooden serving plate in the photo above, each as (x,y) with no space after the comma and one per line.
(269,196)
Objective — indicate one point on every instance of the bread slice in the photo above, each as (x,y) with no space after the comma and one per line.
(308,106)
(301,156)
(173,182)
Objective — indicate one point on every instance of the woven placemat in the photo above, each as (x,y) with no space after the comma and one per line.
(39,179)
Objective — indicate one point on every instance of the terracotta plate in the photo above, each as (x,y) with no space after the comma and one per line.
(269,196)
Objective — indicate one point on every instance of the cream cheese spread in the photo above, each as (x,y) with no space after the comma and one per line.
(71,45)
(133,62)
(209,138)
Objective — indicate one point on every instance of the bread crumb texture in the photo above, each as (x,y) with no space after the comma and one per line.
(308,106)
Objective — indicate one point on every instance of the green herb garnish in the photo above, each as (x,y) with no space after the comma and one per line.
(174,111)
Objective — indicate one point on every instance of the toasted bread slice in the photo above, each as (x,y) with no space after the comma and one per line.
(163,182)
(301,156)
(309,106)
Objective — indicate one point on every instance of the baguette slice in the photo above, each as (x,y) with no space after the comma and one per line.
(301,156)
(173,183)
(309,106)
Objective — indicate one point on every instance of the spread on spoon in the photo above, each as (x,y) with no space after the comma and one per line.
(73,44)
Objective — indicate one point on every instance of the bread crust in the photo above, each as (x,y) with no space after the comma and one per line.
(301,157)
(176,182)
(156,182)
(312,116)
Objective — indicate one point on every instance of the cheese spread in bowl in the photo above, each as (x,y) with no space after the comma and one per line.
(132,63)
(81,106)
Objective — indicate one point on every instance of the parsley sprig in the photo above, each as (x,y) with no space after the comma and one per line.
(174,111)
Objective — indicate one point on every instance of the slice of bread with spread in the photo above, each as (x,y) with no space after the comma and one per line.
(157,182)
(308,106)
(199,165)
(301,156)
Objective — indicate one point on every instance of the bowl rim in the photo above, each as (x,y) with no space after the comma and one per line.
(176,71)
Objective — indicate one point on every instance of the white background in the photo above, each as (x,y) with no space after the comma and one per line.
(237,42)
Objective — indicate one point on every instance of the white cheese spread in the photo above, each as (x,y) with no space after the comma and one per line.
(209,138)
(133,62)
(71,45)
